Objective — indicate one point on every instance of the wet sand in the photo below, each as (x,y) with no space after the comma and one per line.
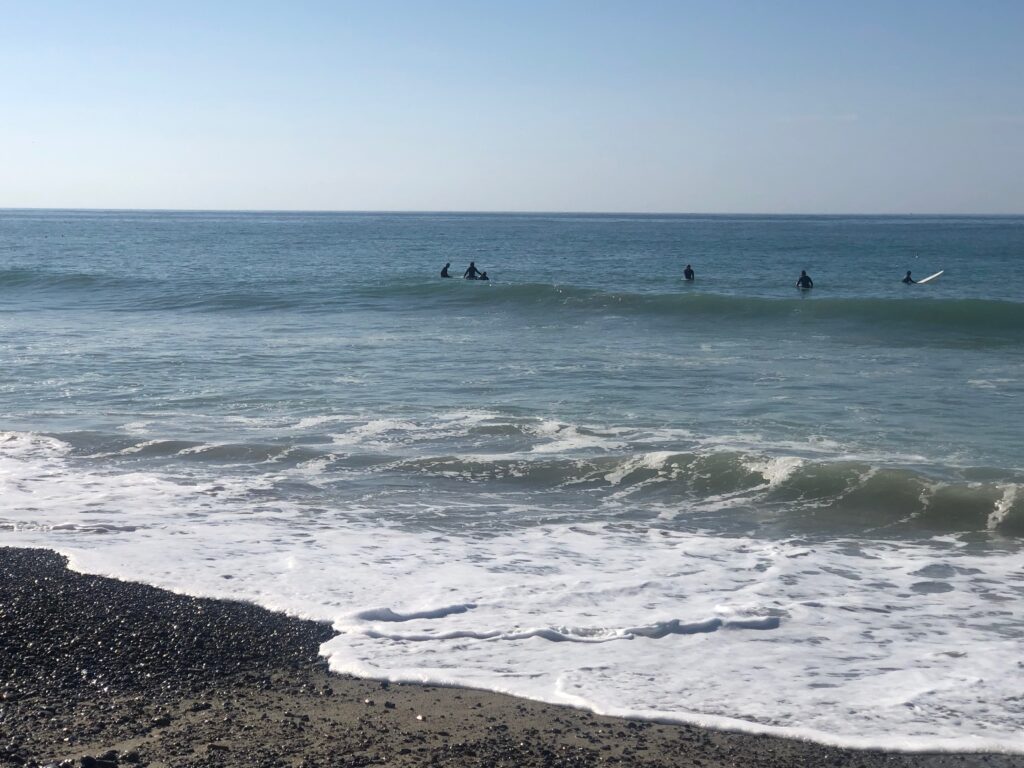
(98,672)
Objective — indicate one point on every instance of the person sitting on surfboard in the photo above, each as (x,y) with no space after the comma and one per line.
(483,276)
(444,271)
(471,273)
(804,281)
(688,273)
(908,279)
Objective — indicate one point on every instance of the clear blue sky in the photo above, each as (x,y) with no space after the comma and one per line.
(817,106)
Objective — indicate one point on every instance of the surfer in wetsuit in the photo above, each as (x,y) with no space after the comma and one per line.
(804,281)
(483,276)
(444,272)
(688,273)
(908,279)
(471,273)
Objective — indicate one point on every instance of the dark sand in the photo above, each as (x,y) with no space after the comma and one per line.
(97,672)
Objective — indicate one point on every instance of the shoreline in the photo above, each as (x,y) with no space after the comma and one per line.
(102,672)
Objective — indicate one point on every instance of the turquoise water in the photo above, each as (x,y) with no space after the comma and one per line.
(295,409)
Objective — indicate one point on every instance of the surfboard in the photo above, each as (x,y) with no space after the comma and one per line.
(931,277)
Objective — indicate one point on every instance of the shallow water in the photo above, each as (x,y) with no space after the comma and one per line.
(585,481)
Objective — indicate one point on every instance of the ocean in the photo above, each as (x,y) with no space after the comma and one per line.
(585,481)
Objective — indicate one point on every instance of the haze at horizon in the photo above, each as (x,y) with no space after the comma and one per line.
(795,107)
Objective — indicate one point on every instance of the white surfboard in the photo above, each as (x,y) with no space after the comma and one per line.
(930,277)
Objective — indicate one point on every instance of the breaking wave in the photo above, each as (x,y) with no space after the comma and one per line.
(704,488)
(802,496)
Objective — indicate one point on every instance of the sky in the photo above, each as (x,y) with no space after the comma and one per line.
(823,106)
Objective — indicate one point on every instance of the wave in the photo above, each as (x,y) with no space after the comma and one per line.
(735,491)
(142,293)
(977,316)
(958,314)
(974,316)
(789,493)
(22,277)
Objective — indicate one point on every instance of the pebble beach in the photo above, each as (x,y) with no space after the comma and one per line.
(99,672)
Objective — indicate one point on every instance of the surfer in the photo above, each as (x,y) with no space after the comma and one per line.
(471,273)
(804,281)
(688,273)
(444,271)
(908,279)
(483,276)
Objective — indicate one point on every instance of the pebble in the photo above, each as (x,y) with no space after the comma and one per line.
(156,660)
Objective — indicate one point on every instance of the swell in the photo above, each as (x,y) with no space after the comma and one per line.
(23,277)
(143,293)
(976,316)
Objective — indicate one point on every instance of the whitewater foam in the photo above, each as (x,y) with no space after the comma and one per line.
(1002,507)
(800,637)
(774,469)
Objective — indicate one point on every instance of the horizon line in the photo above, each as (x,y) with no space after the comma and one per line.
(501,212)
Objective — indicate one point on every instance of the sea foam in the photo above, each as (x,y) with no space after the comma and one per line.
(835,640)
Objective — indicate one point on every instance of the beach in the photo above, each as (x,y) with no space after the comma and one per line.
(721,503)
(99,672)
(512,384)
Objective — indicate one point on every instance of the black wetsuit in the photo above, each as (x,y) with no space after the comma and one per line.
(471,272)
(804,281)
(908,279)
(688,274)
(444,271)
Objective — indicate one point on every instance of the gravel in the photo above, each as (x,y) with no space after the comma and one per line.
(100,673)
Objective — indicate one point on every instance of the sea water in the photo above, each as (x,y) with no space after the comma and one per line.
(585,481)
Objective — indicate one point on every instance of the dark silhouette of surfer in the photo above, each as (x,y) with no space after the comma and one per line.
(444,272)
(908,279)
(483,276)
(471,273)
(688,273)
(804,281)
